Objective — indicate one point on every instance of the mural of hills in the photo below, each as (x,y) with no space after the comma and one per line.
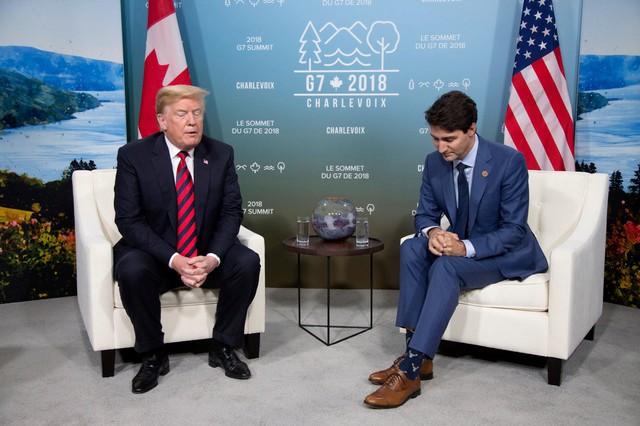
(345,46)
(62,71)
(27,101)
(599,72)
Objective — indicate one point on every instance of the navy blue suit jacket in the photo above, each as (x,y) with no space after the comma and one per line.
(145,198)
(498,207)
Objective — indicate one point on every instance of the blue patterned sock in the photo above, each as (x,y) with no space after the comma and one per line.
(408,336)
(411,363)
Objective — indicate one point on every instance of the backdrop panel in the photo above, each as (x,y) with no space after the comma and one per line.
(327,98)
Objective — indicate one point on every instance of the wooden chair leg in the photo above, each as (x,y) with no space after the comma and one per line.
(252,345)
(108,362)
(591,334)
(554,371)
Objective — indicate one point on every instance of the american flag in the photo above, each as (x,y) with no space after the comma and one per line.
(164,62)
(539,121)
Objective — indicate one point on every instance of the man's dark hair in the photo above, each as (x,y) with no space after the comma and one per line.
(452,111)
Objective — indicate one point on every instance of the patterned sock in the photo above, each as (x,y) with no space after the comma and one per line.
(408,336)
(411,363)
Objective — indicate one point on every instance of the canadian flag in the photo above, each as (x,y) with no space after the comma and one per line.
(164,63)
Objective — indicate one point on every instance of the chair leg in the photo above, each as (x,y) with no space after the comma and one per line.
(591,334)
(252,345)
(108,362)
(554,371)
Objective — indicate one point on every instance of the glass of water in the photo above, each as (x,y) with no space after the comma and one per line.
(362,231)
(302,235)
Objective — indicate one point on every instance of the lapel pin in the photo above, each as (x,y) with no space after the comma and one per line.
(485,173)
(205,161)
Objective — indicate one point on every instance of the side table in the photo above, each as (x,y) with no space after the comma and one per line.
(319,247)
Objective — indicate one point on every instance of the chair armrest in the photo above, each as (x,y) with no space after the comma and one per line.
(94,260)
(576,279)
(256,319)
(406,237)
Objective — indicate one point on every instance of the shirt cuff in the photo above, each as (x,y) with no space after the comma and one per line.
(171,259)
(216,257)
(471,251)
(425,230)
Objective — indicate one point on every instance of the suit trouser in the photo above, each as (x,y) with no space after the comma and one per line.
(429,290)
(142,279)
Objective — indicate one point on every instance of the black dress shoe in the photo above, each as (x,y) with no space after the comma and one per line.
(153,366)
(226,357)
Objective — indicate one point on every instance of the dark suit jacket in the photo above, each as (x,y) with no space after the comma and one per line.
(145,198)
(498,207)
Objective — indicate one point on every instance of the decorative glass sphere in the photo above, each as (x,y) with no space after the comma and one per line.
(334,218)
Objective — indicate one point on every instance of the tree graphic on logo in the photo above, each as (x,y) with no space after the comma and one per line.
(383,38)
(345,47)
(310,35)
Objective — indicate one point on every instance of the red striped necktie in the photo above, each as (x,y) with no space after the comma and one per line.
(186,209)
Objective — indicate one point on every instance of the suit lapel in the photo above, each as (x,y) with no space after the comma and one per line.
(481,173)
(202,168)
(164,172)
(448,190)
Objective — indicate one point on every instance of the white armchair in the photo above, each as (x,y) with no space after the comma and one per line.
(547,314)
(186,314)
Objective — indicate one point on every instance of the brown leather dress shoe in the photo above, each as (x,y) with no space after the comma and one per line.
(395,391)
(379,377)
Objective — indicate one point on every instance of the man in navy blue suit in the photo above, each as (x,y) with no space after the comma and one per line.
(179,163)
(482,188)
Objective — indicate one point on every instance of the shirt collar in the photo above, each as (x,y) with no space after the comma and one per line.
(174,150)
(470,159)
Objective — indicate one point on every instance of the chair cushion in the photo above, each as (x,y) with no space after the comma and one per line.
(182,296)
(531,294)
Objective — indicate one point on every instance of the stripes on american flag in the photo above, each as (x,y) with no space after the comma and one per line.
(539,121)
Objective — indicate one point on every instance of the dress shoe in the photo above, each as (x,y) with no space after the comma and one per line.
(226,357)
(394,392)
(379,377)
(153,365)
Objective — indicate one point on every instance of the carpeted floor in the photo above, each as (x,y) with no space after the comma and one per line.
(49,375)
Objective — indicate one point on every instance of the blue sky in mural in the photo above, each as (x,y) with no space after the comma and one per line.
(610,27)
(95,32)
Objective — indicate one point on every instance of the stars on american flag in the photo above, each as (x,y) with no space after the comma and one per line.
(539,119)
(538,34)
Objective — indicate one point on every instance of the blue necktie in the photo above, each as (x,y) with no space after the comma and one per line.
(462,217)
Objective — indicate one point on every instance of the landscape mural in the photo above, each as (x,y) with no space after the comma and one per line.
(62,109)
(608,133)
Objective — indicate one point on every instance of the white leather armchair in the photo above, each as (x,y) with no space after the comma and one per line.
(186,314)
(547,314)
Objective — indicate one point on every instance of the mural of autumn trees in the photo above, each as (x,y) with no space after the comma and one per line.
(37,240)
(622,256)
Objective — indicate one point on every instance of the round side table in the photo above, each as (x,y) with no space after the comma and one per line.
(319,247)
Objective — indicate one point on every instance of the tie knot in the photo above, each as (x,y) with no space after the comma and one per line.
(183,154)
(461,166)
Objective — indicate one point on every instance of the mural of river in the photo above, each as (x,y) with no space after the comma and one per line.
(610,137)
(44,151)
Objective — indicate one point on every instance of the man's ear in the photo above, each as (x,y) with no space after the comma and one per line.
(472,129)
(161,122)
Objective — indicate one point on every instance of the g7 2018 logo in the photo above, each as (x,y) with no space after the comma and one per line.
(347,67)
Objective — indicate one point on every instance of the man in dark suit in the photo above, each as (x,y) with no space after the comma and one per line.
(482,188)
(178,207)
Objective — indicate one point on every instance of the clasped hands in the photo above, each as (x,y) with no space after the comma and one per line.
(194,271)
(444,243)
